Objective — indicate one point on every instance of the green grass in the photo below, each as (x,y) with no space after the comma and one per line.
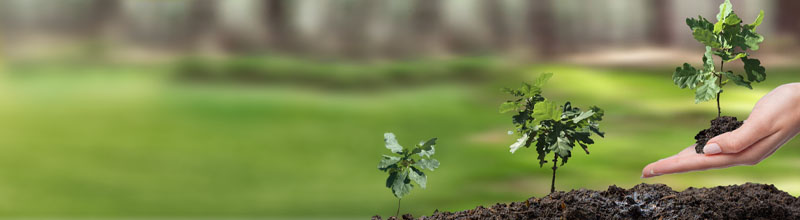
(349,75)
(127,142)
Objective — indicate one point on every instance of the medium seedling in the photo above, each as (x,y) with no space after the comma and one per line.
(549,127)
(407,165)
(730,40)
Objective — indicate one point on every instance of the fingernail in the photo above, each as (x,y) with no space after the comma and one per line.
(712,149)
(652,174)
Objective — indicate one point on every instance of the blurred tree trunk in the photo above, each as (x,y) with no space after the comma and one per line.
(352,28)
(201,24)
(542,28)
(277,22)
(8,17)
(787,18)
(105,25)
(497,24)
(105,14)
(660,22)
(426,22)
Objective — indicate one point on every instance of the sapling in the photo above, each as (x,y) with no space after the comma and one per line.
(730,40)
(407,165)
(549,127)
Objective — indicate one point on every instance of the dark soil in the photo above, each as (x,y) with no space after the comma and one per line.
(644,201)
(719,125)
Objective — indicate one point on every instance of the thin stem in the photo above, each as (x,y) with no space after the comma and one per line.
(719,76)
(398,208)
(553,182)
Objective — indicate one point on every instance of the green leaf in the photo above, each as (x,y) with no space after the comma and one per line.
(387,161)
(567,108)
(747,40)
(725,9)
(521,118)
(563,149)
(542,143)
(687,76)
(391,143)
(391,179)
(729,33)
(418,176)
(427,149)
(542,79)
(755,72)
(593,127)
(598,114)
(708,60)
(509,106)
(738,56)
(520,142)
(428,145)
(513,92)
(758,21)
(737,79)
(401,185)
(529,90)
(717,27)
(428,153)
(707,91)
(700,22)
(706,37)
(752,40)
(429,164)
(583,137)
(583,115)
(545,110)
(733,19)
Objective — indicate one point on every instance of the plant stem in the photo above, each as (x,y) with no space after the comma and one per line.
(553,182)
(721,65)
(398,208)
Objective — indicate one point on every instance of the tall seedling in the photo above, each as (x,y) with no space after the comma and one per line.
(407,165)
(550,127)
(728,39)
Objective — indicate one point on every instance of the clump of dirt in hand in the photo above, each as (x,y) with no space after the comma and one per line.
(644,201)
(719,125)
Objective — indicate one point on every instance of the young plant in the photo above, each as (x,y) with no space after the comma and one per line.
(730,40)
(407,165)
(549,127)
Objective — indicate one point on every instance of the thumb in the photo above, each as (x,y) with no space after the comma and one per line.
(737,140)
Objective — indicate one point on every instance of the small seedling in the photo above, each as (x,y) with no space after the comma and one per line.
(407,166)
(549,127)
(730,40)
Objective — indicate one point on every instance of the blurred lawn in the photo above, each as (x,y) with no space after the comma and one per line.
(107,141)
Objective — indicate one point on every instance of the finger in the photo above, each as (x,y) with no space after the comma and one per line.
(739,139)
(695,162)
(689,150)
(685,163)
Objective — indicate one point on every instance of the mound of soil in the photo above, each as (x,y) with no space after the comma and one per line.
(644,201)
(719,125)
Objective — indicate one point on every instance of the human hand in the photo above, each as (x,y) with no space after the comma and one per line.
(775,119)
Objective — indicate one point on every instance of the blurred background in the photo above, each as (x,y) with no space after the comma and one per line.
(277,108)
